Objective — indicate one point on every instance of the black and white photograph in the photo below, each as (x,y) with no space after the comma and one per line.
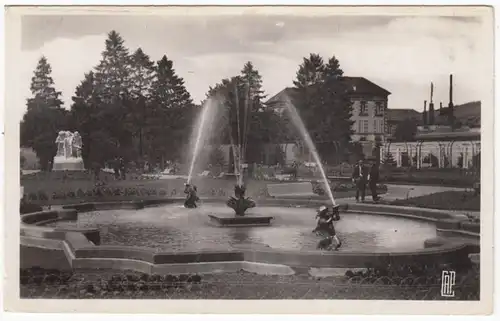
(250,153)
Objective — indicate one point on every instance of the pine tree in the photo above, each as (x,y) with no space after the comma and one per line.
(325,107)
(389,159)
(141,79)
(310,71)
(113,90)
(87,117)
(253,81)
(172,112)
(332,69)
(45,115)
(113,72)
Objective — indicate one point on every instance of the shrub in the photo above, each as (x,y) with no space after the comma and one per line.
(80,193)
(42,196)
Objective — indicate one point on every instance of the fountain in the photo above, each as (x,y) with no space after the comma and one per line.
(299,124)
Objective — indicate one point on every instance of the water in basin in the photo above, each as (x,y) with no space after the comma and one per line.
(174,228)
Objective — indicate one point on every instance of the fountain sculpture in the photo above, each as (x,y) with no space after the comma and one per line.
(191,192)
(69,152)
(239,203)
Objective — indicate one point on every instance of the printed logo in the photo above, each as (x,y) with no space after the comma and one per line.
(447,283)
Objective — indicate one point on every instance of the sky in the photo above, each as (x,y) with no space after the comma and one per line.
(402,54)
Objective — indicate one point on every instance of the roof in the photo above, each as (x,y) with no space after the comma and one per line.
(357,85)
(282,96)
(450,135)
(363,86)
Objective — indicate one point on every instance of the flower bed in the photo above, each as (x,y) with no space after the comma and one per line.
(103,284)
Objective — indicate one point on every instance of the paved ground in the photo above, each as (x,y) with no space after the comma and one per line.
(395,192)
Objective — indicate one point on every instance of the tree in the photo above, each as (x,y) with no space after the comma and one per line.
(172,112)
(216,157)
(376,148)
(22,160)
(141,79)
(244,121)
(389,159)
(114,98)
(324,105)
(88,118)
(310,71)
(253,79)
(406,131)
(44,116)
(114,70)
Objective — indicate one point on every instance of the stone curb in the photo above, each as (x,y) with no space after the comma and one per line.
(80,247)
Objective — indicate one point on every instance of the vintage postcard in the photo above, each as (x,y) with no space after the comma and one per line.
(232,159)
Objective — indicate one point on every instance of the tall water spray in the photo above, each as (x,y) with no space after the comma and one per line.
(207,115)
(297,121)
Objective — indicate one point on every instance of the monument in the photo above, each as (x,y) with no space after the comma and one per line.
(69,152)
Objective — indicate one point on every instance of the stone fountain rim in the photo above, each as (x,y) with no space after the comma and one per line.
(76,244)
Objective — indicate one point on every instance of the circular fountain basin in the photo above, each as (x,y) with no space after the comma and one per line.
(175,228)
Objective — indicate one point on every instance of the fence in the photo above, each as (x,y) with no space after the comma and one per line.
(239,285)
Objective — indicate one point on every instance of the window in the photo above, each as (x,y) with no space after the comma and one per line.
(359,126)
(375,126)
(365,126)
(379,108)
(362,109)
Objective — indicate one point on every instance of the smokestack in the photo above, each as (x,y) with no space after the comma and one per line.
(450,104)
(424,114)
(431,107)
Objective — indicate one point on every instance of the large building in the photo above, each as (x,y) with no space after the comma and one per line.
(369,103)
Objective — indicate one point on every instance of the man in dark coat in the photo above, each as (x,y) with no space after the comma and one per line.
(373,180)
(360,178)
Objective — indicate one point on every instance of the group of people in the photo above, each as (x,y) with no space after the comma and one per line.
(363,176)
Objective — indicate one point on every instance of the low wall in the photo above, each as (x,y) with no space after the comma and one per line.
(81,246)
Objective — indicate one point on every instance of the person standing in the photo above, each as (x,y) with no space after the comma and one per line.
(373,178)
(359,178)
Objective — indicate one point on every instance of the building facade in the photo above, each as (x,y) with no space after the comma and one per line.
(369,111)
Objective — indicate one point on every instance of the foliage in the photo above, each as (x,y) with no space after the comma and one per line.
(131,107)
(392,284)
(324,106)
(44,117)
(216,157)
(22,160)
(406,131)
(172,113)
(245,122)
(431,159)
(389,159)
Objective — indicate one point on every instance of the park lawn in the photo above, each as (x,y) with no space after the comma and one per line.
(449,200)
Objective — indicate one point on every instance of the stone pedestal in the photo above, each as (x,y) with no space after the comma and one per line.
(62,163)
(240,221)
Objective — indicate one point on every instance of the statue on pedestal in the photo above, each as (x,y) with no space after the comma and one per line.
(77,145)
(68,156)
(60,141)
